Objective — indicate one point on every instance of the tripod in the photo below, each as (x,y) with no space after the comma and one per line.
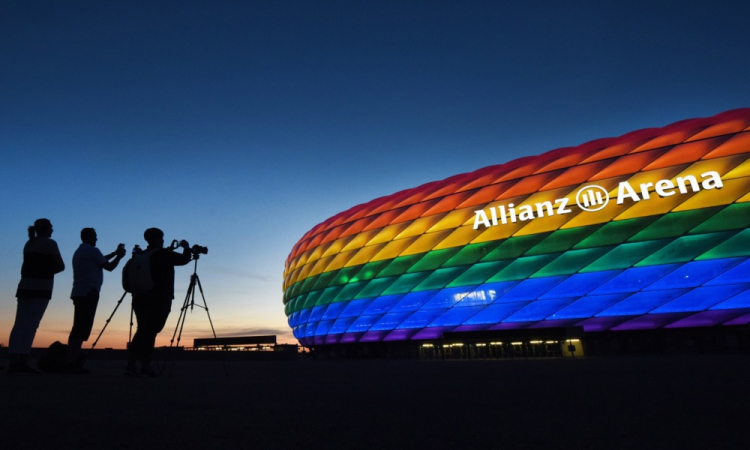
(130,333)
(190,302)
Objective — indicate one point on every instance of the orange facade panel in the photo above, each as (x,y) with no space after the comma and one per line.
(529,185)
(668,139)
(739,143)
(565,161)
(384,218)
(683,153)
(628,164)
(356,227)
(611,152)
(447,203)
(486,194)
(576,175)
(720,129)
(520,172)
(414,211)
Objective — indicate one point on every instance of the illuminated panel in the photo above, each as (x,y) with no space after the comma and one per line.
(646,230)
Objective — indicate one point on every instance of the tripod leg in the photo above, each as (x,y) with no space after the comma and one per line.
(108,320)
(183,314)
(205,306)
(180,323)
(130,333)
(190,301)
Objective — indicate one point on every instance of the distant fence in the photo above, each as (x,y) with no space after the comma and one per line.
(239,341)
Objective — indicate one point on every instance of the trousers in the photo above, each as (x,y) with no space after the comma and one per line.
(29,313)
(151,313)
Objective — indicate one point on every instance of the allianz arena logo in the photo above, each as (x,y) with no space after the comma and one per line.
(592,198)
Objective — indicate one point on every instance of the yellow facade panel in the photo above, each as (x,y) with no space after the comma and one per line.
(300,261)
(720,165)
(291,265)
(301,273)
(591,218)
(337,246)
(340,260)
(388,233)
(364,255)
(743,170)
(459,237)
(425,242)
(319,266)
(545,224)
(544,196)
(453,219)
(649,176)
(360,240)
(420,226)
(732,190)
(506,202)
(653,205)
(393,249)
(293,277)
(498,232)
(317,252)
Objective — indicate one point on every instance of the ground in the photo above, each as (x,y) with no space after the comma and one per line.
(644,402)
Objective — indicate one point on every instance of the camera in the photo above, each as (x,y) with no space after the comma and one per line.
(136,250)
(199,250)
(195,249)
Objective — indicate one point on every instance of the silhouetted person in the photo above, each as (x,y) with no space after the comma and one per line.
(88,263)
(152,308)
(41,261)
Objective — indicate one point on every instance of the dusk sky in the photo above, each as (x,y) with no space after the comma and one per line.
(239,125)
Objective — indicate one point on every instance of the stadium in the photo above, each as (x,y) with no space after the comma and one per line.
(640,237)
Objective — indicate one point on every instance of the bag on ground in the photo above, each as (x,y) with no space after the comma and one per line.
(54,359)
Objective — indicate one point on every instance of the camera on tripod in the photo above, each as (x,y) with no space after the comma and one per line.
(199,250)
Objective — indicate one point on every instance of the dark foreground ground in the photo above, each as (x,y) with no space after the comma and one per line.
(673,402)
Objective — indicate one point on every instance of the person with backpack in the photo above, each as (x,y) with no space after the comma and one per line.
(88,262)
(150,278)
(41,261)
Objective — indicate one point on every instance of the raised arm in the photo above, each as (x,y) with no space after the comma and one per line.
(118,254)
(180,259)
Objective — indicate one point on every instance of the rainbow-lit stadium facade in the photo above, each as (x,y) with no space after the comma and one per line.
(662,241)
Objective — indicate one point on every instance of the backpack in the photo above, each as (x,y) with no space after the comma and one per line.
(136,275)
(54,359)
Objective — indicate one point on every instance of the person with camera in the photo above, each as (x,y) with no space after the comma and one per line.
(41,261)
(88,262)
(152,307)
